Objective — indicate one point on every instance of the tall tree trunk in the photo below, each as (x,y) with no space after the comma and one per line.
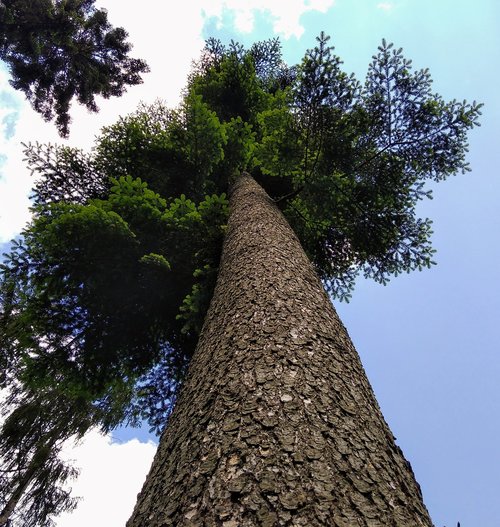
(276,423)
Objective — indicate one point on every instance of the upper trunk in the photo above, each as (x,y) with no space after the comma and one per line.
(276,423)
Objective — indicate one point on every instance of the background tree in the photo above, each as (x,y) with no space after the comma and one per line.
(58,50)
(108,287)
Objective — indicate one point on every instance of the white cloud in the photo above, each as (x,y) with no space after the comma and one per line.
(110,478)
(14,179)
(285,15)
(385,6)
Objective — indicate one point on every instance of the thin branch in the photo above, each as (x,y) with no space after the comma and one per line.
(398,143)
(291,195)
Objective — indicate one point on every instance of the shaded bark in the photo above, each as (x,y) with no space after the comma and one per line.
(276,423)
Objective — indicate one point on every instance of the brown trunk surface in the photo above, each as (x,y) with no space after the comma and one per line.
(277,424)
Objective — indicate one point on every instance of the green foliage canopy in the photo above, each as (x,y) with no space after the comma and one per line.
(61,49)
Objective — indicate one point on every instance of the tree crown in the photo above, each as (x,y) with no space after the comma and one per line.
(58,50)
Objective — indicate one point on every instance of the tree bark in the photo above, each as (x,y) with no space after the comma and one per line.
(277,424)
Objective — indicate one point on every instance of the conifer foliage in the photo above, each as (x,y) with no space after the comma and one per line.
(103,296)
(58,50)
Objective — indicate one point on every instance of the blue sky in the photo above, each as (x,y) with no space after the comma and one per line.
(429,341)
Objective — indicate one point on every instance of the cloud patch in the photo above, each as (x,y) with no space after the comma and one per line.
(10,105)
(9,121)
(111,475)
(13,181)
(385,6)
(285,16)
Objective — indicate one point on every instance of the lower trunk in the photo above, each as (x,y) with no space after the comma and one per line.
(276,423)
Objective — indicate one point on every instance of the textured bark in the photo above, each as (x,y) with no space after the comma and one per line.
(277,424)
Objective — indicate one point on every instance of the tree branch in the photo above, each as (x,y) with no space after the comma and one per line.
(291,195)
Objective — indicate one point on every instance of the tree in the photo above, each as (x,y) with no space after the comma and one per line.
(107,290)
(33,476)
(61,49)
